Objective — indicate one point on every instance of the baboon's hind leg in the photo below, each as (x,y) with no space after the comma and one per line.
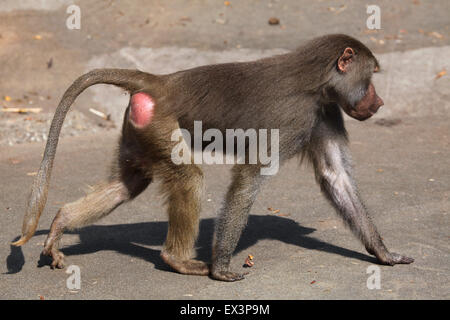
(183,186)
(97,204)
(87,210)
(128,180)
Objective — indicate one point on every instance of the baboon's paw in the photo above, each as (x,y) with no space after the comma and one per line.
(227,275)
(57,258)
(191,266)
(395,258)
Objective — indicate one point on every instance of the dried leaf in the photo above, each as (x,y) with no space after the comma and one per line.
(227,3)
(274,21)
(249,262)
(221,21)
(441,74)
(22,110)
(337,10)
(342,8)
(274,211)
(186,19)
(99,114)
(436,35)
(14,160)
(38,37)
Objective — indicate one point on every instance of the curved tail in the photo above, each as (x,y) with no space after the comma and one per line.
(131,80)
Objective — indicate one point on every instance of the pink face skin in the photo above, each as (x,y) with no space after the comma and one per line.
(141,109)
(367,107)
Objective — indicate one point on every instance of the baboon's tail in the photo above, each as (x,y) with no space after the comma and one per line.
(131,80)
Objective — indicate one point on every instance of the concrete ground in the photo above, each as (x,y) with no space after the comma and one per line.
(401,155)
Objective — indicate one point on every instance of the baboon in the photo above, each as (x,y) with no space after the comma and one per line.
(301,93)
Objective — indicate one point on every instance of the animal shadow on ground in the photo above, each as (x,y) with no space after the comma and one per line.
(132,239)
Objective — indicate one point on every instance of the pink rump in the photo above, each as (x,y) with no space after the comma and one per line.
(142,108)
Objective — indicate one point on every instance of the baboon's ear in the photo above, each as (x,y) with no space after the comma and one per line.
(345,59)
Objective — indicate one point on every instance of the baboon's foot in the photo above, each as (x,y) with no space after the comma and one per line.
(392,258)
(227,275)
(56,255)
(191,266)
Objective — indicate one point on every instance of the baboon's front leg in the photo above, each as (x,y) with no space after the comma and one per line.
(331,162)
(233,218)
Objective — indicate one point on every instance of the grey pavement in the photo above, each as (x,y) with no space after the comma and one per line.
(401,155)
(402,172)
